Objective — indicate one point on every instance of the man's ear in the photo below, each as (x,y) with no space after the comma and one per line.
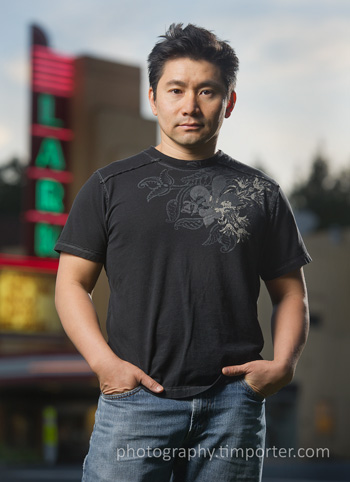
(230,104)
(152,101)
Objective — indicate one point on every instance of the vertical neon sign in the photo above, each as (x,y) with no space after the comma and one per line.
(48,173)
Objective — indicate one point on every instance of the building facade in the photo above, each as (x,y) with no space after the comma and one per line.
(85,114)
(314,408)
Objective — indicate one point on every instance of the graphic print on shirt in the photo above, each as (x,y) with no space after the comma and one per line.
(206,199)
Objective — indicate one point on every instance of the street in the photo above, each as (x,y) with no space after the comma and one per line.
(279,472)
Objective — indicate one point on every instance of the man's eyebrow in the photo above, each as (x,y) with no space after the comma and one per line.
(205,83)
(176,82)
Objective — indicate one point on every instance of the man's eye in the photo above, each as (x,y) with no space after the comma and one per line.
(206,92)
(175,91)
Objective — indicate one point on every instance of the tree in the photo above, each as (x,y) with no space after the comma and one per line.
(11,187)
(325,195)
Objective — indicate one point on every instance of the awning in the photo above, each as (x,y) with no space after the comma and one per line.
(36,367)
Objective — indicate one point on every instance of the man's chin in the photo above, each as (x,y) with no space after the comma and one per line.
(191,140)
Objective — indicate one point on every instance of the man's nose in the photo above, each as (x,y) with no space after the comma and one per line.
(190,104)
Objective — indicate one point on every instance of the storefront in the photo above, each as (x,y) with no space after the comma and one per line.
(48,393)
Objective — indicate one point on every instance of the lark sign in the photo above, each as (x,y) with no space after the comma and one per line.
(48,173)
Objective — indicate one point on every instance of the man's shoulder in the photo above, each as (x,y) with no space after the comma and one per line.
(127,164)
(247,171)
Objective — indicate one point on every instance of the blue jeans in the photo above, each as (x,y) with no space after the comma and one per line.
(216,435)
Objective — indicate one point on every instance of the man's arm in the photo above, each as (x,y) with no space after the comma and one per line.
(290,326)
(76,279)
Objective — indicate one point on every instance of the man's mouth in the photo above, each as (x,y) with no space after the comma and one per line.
(191,125)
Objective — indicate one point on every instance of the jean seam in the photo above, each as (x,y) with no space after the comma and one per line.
(121,395)
(252,392)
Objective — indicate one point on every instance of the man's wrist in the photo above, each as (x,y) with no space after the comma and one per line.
(98,363)
(285,368)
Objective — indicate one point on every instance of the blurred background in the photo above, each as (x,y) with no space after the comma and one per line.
(73,97)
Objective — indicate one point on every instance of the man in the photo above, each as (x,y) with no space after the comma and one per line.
(185,233)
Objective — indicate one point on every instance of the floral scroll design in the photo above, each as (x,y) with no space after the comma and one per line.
(204,199)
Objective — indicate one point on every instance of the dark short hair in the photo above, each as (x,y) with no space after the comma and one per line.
(195,43)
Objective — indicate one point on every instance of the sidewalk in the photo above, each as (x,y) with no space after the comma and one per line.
(308,471)
(277,472)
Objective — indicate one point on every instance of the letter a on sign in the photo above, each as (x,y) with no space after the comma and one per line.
(51,155)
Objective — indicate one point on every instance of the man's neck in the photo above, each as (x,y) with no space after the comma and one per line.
(187,154)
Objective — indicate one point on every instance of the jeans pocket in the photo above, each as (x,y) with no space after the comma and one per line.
(256,395)
(117,396)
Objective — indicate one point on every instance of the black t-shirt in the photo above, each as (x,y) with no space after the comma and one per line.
(184,245)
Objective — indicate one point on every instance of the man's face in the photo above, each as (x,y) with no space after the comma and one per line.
(191,103)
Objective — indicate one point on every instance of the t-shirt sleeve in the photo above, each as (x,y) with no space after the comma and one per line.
(284,249)
(85,232)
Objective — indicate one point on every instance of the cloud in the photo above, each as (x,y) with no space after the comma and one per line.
(292,85)
(292,45)
(17,70)
(5,136)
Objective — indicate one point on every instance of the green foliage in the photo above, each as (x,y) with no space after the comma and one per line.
(325,195)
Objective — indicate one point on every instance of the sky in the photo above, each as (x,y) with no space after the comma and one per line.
(293,89)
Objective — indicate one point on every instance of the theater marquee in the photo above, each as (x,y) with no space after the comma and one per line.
(48,173)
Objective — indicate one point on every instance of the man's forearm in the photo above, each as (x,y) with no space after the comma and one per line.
(79,319)
(290,326)
(290,320)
